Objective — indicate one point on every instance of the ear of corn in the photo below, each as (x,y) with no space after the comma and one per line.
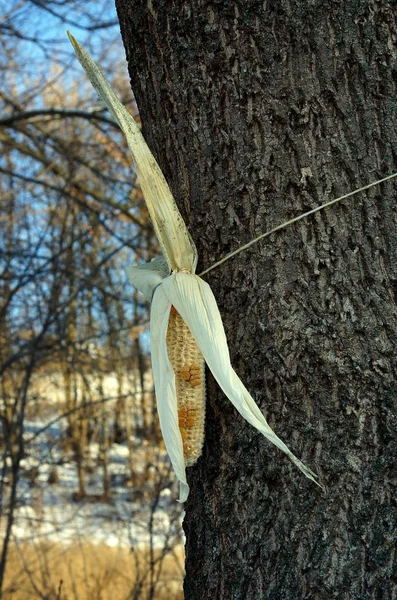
(178,366)
(188,365)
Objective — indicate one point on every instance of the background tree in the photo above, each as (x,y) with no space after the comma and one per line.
(257,111)
(75,384)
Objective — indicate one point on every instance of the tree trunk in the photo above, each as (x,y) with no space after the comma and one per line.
(256,112)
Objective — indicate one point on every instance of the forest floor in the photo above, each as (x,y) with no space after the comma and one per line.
(128,544)
(91,572)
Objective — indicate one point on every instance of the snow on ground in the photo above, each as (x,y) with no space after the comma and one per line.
(47,511)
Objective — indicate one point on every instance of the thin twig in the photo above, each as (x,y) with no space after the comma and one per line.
(286,223)
(54,113)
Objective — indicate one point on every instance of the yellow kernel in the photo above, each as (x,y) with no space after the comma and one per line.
(188,364)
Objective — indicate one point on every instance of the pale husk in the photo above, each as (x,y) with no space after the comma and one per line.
(171,231)
(164,382)
(194,300)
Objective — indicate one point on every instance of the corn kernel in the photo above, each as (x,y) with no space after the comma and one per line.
(188,364)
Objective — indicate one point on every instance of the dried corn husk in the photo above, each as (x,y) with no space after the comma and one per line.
(173,284)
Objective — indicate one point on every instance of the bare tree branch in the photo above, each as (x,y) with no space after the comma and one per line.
(51,113)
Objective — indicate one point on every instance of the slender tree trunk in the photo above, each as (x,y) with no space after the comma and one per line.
(258,111)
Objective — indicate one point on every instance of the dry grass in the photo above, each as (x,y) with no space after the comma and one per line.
(88,572)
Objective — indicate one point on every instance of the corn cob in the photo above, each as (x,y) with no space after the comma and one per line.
(188,364)
(177,284)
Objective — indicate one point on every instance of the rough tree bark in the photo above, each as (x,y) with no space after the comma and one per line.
(258,111)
